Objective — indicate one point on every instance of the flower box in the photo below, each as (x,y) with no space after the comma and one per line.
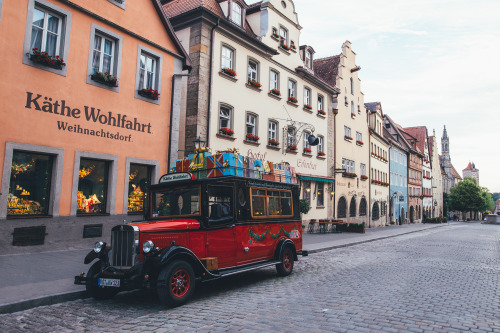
(254,83)
(275,35)
(229,71)
(364,177)
(292,99)
(252,137)
(307,150)
(292,147)
(347,137)
(307,107)
(275,92)
(322,112)
(272,142)
(349,175)
(321,153)
(359,142)
(105,78)
(149,93)
(43,58)
(353,115)
(226,131)
(284,46)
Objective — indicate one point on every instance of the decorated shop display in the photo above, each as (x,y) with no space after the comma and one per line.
(203,164)
(136,200)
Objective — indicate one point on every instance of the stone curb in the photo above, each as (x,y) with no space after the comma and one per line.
(74,295)
(369,240)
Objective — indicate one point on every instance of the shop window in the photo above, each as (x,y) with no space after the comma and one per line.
(352,207)
(321,195)
(30,184)
(138,185)
(342,208)
(148,75)
(375,211)
(307,190)
(92,194)
(362,207)
(47,30)
(105,53)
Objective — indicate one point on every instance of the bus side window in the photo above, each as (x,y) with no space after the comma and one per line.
(220,204)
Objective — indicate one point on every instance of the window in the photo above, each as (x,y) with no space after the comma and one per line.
(321,195)
(342,208)
(236,14)
(220,204)
(347,131)
(30,184)
(92,194)
(139,180)
(273,130)
(308,62)
(375,211)
(352,108)
(362,169)
(306,139)
(359,137)
(307,96)
(352,86)
(176,202)
(225,115)
(119,3)
(149,69)
(252,70)
(362,207)
(251,124)
(291,136)
(348,165)
(273,80)
(104,57)
(352,207)
(307,190)
(267,203)
(320,102)
(47,30)
(292,89)
(283,36)
(227,60)
(320,144)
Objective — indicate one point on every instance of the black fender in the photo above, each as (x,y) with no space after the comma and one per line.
(103,256)
(175,252)
(280,247)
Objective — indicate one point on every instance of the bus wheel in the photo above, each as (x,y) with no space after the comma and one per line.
(285,267)
(176,283)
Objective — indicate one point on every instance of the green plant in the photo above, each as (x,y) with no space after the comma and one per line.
(304,206)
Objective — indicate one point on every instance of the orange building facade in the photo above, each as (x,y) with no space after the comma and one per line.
(86,101)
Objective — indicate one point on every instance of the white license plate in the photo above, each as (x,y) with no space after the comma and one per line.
(108,282)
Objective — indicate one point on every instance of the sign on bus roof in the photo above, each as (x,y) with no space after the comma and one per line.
(172,177)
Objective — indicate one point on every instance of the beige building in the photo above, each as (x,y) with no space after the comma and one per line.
(379,166)
(254,88)
(437,179)
(351,159)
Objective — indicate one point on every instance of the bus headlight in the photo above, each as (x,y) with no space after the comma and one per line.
(148,246)
(99,246)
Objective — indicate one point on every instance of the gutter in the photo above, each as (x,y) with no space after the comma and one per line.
(210,80)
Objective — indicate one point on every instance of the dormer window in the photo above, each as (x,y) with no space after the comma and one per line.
(308,59)
(236,14)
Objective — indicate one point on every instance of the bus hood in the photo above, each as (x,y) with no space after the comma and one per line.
(168,225)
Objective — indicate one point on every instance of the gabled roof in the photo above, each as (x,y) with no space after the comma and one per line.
(420,133)
(398,129)
(327,69)
(455,173)
(430,140)
(372,106)
(471,167)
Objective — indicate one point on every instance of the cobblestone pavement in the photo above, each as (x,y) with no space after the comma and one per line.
(441,280)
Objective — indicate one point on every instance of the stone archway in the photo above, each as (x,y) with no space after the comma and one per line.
(375,212)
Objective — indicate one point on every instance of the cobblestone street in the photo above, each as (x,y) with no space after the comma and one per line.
(441,280)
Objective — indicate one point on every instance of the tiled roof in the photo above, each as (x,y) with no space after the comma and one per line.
(176,7)
(327,69)
(471,166)
(419,132)
(455,173)
(372,106)
(431,146)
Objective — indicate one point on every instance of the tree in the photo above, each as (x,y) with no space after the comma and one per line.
(489,203)
(467,196)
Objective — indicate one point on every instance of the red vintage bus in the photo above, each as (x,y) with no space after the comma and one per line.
(199,229)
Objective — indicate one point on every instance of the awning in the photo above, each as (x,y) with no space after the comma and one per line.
(317,179)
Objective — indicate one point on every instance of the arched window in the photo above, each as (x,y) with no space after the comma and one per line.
(362,207)
(375,211)
(342,208)
(352,208)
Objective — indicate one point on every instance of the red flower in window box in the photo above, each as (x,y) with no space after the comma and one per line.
(321,153)
(359,142)
(284,46)
(226,131)
(347,137)
(308,107)
(254,83)
(229,71)
(45,59)
(349,174)
(292,99)
(275,35)
(252,137)
(322,112)
(307,150)
(105,78)
(346,101)
(292,147)
(275,92)
(273,142)
(364,177)
(149,93)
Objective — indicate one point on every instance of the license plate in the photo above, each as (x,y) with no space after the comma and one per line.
(108,282)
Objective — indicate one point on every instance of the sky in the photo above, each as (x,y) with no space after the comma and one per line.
(429,62)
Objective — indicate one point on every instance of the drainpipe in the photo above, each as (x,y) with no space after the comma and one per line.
(171,117)
(210,80)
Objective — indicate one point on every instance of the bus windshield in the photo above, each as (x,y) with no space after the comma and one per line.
(176,202)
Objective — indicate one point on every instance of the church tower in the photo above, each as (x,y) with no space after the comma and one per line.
(446,162)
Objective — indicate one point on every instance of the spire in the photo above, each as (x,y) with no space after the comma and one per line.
(445,134)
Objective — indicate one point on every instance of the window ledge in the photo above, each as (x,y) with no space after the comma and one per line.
(275,38)
(274,96)
(249,86)
(226,137)
(273,147)
(227,76)
(291,151)
(285,51)
(307,154)
(253,143)
(321,157)
(292,104)
(321,115)
(293,50)
(320,207)
(307,110)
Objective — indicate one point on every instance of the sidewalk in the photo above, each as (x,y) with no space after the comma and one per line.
(35,279)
